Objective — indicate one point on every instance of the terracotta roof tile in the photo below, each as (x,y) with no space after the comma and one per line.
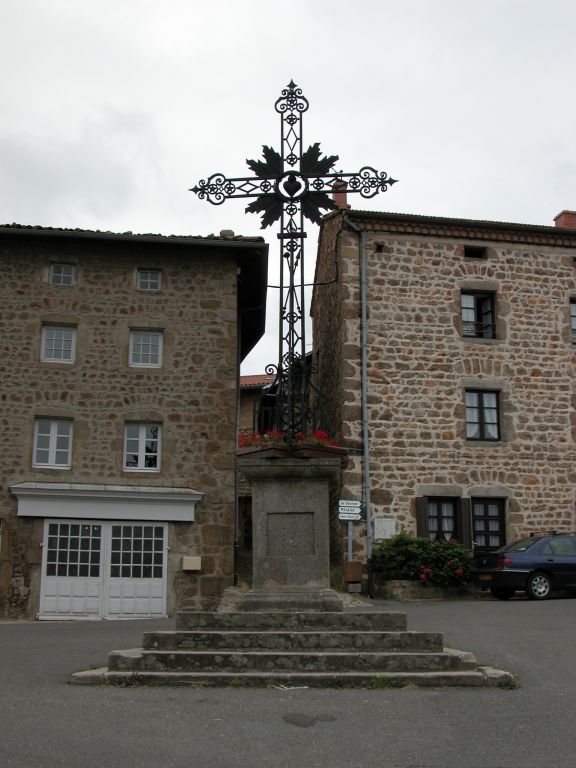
(256,380)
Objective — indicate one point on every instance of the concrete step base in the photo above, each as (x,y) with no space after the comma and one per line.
(337,649)
(486,677)
(219,639)
(283,662)
(292,621)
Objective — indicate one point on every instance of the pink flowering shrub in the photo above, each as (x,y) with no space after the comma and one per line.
(407,557)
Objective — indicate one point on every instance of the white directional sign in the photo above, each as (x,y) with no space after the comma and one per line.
(349,509)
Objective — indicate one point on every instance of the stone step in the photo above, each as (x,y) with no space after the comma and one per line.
(282,662)
(348,649)
(263,621)
(486,677)
(294,640)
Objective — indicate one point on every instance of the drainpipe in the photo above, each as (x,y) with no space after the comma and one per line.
(237,433)
(364,393)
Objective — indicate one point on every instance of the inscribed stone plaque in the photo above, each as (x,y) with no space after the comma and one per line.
(290,534)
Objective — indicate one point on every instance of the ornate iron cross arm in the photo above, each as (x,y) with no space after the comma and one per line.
(291,176)
(288,186)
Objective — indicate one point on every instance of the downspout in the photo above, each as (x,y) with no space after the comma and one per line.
(236,436)
(364,394)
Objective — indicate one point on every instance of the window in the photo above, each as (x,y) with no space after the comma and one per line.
(149,279)
(488,523)
(442,519)
(475,252)
(478,315)
(146,349)
(573,319)
(482,415)
(58,344)
(142,447)
(53,443)
(73,550)
(137,551)
(61,274)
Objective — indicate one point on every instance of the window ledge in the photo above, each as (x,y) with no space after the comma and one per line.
(485,443)
(51,467)
(480,340)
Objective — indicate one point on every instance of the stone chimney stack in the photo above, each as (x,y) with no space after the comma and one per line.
(566,220)
(339,189)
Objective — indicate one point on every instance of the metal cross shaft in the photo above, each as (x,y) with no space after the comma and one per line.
(288,186)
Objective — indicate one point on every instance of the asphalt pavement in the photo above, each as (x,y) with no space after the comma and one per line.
(47,723)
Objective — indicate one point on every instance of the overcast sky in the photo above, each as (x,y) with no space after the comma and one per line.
(111,110)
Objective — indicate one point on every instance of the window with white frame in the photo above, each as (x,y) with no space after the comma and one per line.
(142,447)
(61,274)
(53,443)
(58,344)
(149,279)
(146,348)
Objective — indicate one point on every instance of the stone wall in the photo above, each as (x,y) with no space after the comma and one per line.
(419,365)
(336,332)
(193,394)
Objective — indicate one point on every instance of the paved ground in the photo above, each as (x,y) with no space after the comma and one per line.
(47,723)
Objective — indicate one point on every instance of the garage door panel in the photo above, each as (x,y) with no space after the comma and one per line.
(103,569)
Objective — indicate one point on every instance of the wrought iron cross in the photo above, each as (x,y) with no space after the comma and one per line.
(289,186)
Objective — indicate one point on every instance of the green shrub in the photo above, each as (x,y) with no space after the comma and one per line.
(442,563)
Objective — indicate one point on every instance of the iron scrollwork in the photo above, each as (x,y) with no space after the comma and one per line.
(290,185)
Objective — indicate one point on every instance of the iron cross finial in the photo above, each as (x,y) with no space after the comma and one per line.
(289,185)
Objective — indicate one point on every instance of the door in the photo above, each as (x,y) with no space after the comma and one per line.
(102,569)
(559,558)
(136,583)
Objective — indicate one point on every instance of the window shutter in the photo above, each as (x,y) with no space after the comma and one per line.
(464,522)
(422,517)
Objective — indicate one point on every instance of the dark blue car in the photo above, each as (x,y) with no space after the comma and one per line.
(536,565)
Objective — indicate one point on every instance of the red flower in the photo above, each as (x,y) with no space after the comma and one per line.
(459,571)
(423,577)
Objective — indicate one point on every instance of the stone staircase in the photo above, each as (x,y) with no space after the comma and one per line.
(344,649)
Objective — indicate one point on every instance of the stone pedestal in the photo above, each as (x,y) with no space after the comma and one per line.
(290,529)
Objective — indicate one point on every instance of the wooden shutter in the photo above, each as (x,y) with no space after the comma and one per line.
(422,517)
(464,522)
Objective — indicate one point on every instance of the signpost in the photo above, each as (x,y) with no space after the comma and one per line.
(352,512)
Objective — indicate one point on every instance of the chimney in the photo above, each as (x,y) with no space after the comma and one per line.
(566,220)
(339,189)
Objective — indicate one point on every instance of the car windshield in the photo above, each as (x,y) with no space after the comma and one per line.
(519,546)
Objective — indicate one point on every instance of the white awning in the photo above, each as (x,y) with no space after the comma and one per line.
(106,502)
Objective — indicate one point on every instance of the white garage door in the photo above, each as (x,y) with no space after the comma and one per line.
(110,570)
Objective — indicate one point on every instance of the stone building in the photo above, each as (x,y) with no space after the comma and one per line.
(119,362)
(456,395)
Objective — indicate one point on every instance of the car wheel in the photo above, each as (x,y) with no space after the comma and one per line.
(539,586)
(502,593)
